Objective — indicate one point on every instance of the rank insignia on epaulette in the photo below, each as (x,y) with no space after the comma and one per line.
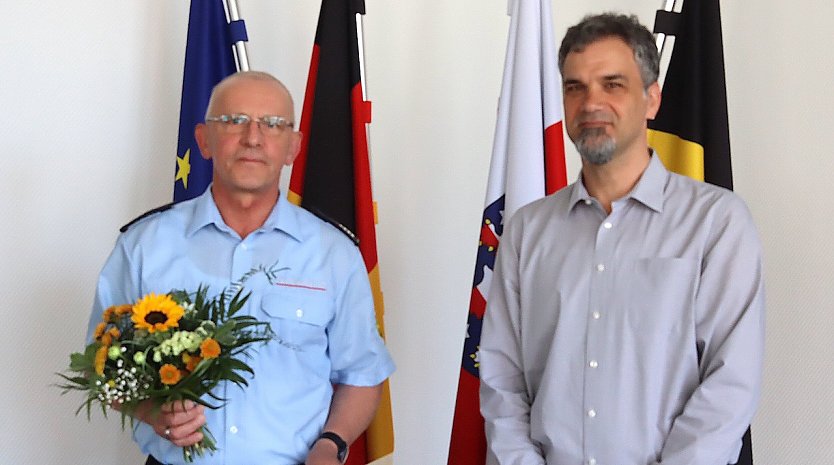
(148,213)
(344,229)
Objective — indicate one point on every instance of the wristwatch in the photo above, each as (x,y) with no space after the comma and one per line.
(341,445)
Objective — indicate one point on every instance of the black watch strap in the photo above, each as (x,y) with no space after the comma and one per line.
(341,445)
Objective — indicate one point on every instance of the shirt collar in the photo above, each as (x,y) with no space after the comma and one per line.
(283,216)
(578,193)
(648,190)
(650,187)
(204,213)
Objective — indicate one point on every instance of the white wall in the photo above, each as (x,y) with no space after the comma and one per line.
(89,101)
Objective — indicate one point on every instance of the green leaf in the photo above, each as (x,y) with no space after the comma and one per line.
(84,361)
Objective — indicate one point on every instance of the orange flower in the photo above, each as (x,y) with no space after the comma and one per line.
(99,330)
(114,332)
(108,313)
(191,361)
(124,309)
(209,348)
(106,339)
(169,374)
(101,357)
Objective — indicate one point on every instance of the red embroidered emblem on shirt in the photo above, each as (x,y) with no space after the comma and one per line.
(301,286)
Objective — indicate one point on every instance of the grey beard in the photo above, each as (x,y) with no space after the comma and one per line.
(593,150)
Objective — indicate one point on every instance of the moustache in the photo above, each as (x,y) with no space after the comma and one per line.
(594,117)
(250,155)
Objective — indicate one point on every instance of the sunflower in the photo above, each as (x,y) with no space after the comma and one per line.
(169,374)
(209,348)
(156,313)
(101,357)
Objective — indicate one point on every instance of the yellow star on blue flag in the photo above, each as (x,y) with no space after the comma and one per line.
(183,169)
(208,59)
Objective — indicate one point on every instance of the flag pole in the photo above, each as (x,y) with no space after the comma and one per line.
(660,40)
(240,45)
(360,45)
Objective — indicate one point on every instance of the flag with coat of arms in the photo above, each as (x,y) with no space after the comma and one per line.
(528,162)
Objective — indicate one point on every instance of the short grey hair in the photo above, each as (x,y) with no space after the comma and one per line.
(628,28)
(248,75)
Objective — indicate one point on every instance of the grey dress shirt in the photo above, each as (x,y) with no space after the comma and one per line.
(627,338)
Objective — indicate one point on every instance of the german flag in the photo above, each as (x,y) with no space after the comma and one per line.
(331,175)
(691,133)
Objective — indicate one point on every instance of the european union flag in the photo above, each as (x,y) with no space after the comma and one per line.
(208,59)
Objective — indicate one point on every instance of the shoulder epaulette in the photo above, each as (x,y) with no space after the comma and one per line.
(148,213)
(344,229)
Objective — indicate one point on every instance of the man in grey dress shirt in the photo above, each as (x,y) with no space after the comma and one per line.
(625,323)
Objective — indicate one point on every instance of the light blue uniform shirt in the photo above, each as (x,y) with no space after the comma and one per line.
(320,306)
(629,338)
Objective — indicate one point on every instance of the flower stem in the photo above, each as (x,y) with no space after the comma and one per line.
(208,443)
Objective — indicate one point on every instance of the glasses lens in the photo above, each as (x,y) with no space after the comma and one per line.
(239,122)
(273,125)
(272,122)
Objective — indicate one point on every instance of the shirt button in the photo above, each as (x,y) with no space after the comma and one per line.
(233,430)
(592,413)
(595,315)
(299,313)
(607,225)
(593,364)
(243,246)
(588,202)
(592,461)
(600,267)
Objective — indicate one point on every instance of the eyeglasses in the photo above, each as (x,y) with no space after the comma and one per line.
(238,123)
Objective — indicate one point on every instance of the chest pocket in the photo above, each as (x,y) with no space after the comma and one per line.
(662,295)
(299,319)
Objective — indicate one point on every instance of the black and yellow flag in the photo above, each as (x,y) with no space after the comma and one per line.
(690,132)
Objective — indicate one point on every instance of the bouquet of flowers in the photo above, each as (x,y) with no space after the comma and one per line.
(166,348)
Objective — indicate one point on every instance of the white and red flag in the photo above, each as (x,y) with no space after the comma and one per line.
(528,162)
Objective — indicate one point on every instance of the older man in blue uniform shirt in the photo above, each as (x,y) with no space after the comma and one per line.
(323,372)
